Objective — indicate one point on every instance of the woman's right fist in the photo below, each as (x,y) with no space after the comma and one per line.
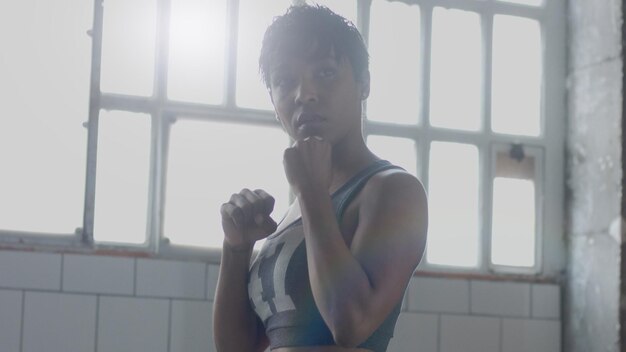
(246,218)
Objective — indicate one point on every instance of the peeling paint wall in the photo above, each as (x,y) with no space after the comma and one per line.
(594,177)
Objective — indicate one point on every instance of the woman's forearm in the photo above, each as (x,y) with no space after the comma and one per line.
(234,322)
(340,285)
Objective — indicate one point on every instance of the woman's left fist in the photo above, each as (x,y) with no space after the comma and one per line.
(308,165)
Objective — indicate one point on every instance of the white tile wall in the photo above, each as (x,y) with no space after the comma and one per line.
(192,327)
(10,320)
(30,270)
(114,304)
(438,295)
(167,278)
(420,331)
(133,324)
(98,274)
(470,334)
(546,301)
(522,335)
(509,299)
(212,273)
(59,322)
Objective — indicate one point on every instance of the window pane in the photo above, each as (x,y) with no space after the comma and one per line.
(394,62)
(455,81)
(122,177)
(128,46)
(210,161)
(513,228)
(44,93)
(453,205)
(525,2)
(197,51)
(345,8)
(399,151)
(516,88)
(254,18)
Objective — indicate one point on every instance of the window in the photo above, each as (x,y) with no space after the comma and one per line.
(466,94)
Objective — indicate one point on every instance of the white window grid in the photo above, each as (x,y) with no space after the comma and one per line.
(548,148)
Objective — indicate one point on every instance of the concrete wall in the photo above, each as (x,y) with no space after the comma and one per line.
(594,176)
(76,303)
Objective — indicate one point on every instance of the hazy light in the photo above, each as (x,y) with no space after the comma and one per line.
(394,62)
(453,205)
(399,151)
(517,71)
(513,227)
(254,18)
(345,8)
(197,51)
(456,70)
(128,47)
(207,163)
(44,94)
(122,177)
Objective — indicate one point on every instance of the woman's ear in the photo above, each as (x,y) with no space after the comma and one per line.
(364,83)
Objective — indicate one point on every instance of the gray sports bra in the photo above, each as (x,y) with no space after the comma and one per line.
(279,288)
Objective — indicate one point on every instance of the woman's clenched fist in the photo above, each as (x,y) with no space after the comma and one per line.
(246,218)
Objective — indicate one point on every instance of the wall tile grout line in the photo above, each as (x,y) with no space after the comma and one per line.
(62,270)
(108,294)
(531,303)
(169,327)
(22,322)
(469,296)
(500,335)
(135,277)
(439,332)
(97,323)
(206,281)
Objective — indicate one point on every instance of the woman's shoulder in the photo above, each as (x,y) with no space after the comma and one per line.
(393,183)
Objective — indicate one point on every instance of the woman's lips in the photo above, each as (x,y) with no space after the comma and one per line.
(310,119)
(309,125)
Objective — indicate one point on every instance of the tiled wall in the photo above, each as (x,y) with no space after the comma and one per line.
(66,303)
(445,315)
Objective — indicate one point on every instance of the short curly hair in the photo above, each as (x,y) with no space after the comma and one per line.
(302,26)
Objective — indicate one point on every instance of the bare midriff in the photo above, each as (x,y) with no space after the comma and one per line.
(319,349)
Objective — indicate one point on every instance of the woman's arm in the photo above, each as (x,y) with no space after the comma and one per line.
(235,325)
(356,288)
(245,219)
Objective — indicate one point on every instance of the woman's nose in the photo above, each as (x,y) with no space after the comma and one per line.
(306,92)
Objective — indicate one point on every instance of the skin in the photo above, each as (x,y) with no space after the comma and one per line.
(358,269)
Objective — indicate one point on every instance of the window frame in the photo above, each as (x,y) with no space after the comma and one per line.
(550,166)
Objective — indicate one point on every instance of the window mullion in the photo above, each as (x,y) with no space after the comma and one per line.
(423,144)
(363,19)
(487,27)
(425,50)
(157,152)
(230,79)
(92,123)
(486,152)
(162,51)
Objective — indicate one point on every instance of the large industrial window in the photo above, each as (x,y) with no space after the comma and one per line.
(126,124)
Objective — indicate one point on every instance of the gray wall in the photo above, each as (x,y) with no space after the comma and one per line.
(594,176)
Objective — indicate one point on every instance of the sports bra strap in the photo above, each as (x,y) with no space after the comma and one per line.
(346,193)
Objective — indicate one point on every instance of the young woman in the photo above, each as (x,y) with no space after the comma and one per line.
(331,276)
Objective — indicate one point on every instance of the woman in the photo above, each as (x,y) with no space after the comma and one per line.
(331,276)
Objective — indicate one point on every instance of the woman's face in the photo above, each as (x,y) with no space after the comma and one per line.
(317,96)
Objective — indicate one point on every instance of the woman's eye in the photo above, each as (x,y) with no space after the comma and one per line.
(327,73)
(281,82)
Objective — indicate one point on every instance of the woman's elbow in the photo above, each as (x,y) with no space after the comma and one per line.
(351,332)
